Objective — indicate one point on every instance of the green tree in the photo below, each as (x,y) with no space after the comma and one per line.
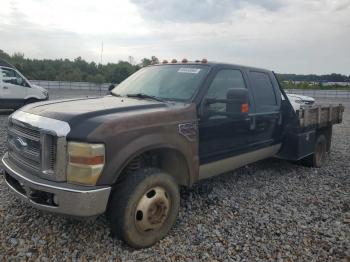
(4,55)
(145,62)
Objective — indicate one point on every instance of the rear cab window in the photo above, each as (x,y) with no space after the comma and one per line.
(264,92)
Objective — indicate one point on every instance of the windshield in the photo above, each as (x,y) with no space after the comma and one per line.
(168,82)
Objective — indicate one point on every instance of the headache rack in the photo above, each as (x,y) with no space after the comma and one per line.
(320,116)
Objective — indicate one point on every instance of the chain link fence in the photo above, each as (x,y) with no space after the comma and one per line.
(317,93)
(65,89)
(71,85)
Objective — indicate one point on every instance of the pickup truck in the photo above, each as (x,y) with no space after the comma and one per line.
(167,125)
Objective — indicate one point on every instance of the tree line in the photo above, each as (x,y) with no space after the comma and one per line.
(314,78)
(79,70)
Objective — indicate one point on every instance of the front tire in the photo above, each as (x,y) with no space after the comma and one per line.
(144,207)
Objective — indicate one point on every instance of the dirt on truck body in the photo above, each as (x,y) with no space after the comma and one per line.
(167,125)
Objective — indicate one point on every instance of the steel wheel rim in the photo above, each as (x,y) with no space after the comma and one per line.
(152,209)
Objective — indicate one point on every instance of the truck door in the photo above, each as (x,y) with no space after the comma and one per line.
(267,119)
(13,89)
(221,136)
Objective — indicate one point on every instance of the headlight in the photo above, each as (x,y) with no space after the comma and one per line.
(299,101)
(46,93)
(85,163)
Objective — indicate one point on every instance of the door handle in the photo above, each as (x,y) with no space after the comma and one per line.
(252,122)
(5,87)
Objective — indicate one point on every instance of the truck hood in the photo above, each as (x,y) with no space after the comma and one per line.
(301,97)
(39,88)
(71,110)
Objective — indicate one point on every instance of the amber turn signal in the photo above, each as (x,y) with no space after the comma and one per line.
(244,108)
(95,160)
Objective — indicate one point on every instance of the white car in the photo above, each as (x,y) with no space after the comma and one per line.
(16,90)
(299,101)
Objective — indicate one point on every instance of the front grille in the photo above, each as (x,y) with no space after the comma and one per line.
(26,132)
(52,155)
(31,150)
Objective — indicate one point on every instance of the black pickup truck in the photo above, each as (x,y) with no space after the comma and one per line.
(170,124)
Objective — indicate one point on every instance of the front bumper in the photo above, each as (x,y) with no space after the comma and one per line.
(72,200)
(46,98)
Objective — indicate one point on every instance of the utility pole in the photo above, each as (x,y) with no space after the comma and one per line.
(131,60)
(101,51)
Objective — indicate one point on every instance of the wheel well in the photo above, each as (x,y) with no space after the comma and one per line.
(31,100)
(170,160)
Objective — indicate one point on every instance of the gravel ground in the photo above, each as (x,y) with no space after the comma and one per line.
(271,210)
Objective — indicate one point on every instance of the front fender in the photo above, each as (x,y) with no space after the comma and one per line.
(37,97)
(116,161)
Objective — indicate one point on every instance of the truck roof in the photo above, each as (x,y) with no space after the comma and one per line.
(214,64)
(5,63)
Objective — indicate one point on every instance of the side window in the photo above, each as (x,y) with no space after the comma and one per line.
(12,77)
(263,90)
(225,79)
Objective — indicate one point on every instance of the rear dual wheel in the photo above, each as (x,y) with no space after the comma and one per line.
(144,207)
(319,156)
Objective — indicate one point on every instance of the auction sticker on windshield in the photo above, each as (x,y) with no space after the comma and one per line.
(189,70)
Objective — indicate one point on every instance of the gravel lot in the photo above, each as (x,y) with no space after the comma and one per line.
(271,210)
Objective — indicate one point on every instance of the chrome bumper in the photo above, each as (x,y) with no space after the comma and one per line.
(78,201)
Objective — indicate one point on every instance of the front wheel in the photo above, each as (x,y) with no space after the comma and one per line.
(144,207)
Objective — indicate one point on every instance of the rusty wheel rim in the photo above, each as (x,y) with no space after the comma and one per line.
(152,209)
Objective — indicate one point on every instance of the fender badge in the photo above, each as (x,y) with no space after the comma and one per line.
(188,130)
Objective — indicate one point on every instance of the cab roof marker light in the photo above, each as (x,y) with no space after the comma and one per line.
(165,61)
(204,61)
(174,61)
(184,60)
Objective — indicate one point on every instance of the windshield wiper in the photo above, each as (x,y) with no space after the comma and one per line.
(143,96)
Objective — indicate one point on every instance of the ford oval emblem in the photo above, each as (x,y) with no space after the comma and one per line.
(20,142)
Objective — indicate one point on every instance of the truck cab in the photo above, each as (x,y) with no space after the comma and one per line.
(16,90)
(167,125)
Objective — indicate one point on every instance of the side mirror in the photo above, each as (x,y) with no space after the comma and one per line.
(237,101)
(111,87)
(236,104)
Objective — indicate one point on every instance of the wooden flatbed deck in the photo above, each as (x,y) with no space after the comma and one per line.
(320,116)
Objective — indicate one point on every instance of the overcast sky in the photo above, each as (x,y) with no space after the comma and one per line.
(291,36)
